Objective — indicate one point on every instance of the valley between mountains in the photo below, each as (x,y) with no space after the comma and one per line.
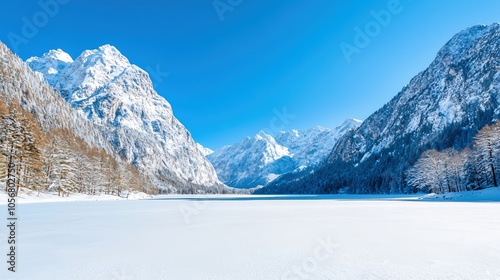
(110,109)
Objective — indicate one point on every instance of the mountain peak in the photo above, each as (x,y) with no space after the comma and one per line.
(205,151)
(105,54)
(52,55)
(59,55)
(351,122)
(465,40)
(111,52)
(50,64)
(262,135)
(108,47)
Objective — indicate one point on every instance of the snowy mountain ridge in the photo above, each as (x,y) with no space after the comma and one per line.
(442,107)
(439,94)
(258,160)
(23,86)
(104,87)
(310,146)
(205,151)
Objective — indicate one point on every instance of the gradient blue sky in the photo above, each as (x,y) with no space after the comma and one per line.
(227,78)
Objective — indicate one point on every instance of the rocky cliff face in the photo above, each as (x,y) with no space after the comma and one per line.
(118,97)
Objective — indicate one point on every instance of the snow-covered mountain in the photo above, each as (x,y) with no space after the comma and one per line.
(19,84)
(442,107)
(252,162)
(309,147)
(57,138)
(119,97)
(51,65)
(205,151)
(258,160)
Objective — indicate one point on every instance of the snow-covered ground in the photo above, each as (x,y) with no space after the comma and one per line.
(28,196)
(491,194)
(243,237)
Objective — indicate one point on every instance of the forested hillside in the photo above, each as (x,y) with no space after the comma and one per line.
(48,146)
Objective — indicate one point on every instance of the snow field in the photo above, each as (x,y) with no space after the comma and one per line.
(257,238)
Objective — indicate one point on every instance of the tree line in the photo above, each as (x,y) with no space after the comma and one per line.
(473,168)
(57,160)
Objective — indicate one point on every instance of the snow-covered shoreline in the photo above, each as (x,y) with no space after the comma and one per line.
(28,196)
(486,195)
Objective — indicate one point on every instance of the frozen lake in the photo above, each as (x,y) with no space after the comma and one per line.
(239,238)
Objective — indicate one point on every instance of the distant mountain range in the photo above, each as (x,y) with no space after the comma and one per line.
(258,160)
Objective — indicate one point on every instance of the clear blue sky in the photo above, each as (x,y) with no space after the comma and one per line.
(228,77)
